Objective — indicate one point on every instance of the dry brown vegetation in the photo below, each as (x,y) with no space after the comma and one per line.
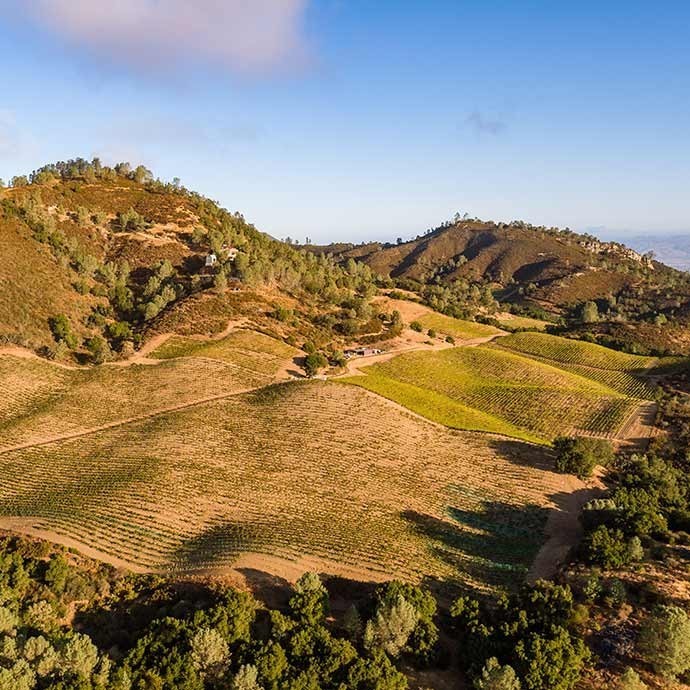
(310,473)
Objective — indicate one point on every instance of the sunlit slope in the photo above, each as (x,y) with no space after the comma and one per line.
(247,348)
(310,470)
(508,393)
(44,401)
(457,328)
(625,373)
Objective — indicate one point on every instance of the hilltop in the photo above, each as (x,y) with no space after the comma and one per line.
(576,281)
(99,259)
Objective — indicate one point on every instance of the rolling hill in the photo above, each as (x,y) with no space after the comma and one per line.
(99,259)
(299,475)
(539,271)
(151,343)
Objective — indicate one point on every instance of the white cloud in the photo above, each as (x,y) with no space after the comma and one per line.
(236,35)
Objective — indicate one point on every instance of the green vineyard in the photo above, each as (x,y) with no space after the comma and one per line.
(492,389)
(567,351)
(457,328)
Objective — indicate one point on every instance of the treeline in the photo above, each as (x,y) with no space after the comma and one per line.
(69,624)
(146,633)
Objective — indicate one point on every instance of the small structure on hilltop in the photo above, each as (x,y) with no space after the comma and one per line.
(211,260)
(362,352)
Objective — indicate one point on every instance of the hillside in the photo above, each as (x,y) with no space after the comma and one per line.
(300,475)
(470,266)
(190,400)
(98,259)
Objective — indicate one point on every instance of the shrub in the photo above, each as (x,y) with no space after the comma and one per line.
(552,662)
(497,677)
(98,348)
(630,680)
(309,603)
(220,282)
(579,456)
(592,588)
(605,547)
(422,644)
(416,326)
(313,362)
(282,314)
(130,220)
(62,331)
(431,333)
(615,593)
(391,626)
(210,652)
(665,640)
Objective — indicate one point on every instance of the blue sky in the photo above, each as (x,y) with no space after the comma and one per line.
(350,120)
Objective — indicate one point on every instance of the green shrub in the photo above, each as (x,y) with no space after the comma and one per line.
(606,547)
(665,640)
(497,677)
(416,326)
(98,348)
(62,331)
(579,456)
(630,680)
(314,362)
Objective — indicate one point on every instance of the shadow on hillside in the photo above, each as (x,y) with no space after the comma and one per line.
(275,591)
(494,544)
(298,373)
(213,547)
(524,454)
(498,543)
(271,589)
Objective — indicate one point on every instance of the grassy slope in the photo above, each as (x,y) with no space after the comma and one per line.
(437,407)
(43,400)
(568,351)
(459,329)
(34,287)
(620,371)
(493,390)
(243,347)
(515,322)
(312,470)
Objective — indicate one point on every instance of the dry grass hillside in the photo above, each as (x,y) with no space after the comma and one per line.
(640,303)
(303,475)
(492,252)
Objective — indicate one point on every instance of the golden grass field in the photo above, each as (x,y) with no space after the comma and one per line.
(194,464)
